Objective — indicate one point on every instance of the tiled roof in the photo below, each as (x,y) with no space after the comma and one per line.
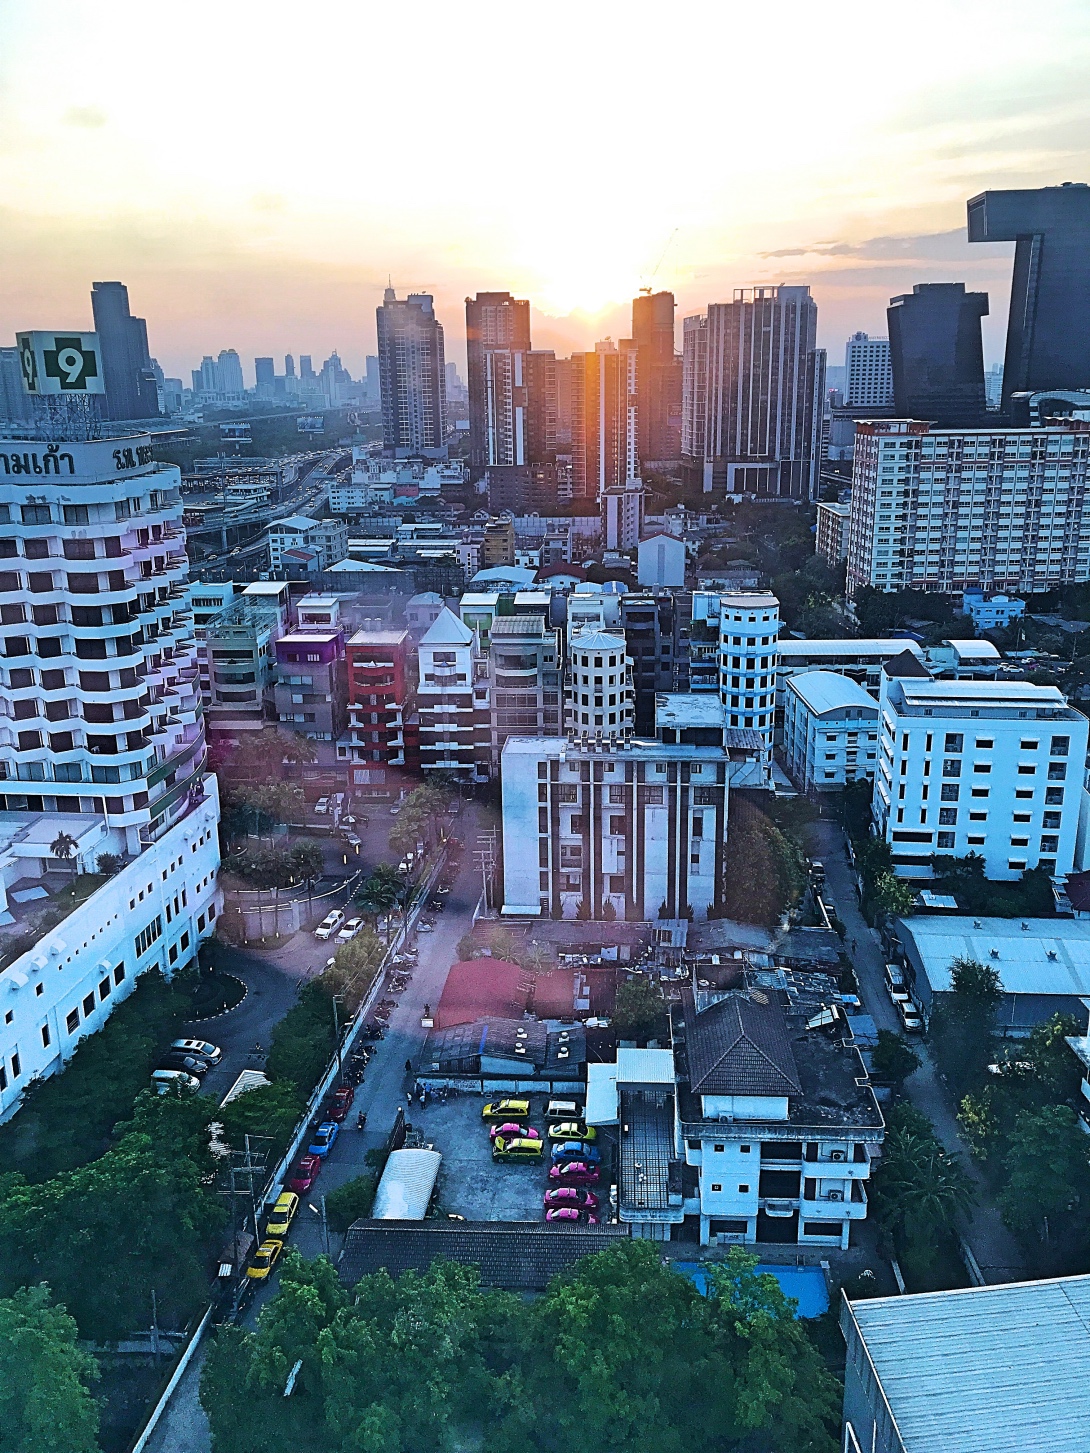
(522,1256)
(906,664)
(740,1047)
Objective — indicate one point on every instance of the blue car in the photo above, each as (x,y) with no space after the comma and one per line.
(324,1137)
(576,1150)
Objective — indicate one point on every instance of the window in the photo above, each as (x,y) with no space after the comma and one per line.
(984,742)
(950,791)
(946,840)
(1049,844)
(1057,771)
(147,936)
(616,795)
(745,1149)
(39,990)
(955,742)
(1026,769)
(986,767)
(104,989)
(948,816)
(717,1185)
(616,883)
(951,767)
(719,1149)
(743,1190)
(1054,796)
(72,1022)
(1060,746)
(76,515)
(617,826)
(46,1035)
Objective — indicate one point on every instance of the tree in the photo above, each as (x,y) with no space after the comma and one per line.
(45,1402)
(639,1010)
(892,1059)
(307,864)
(63,847)
(109,863)
(271,1111)
(962,1024)
(1048,1174)
(920,1191)
(765,873)
(351,1201)
(893,895)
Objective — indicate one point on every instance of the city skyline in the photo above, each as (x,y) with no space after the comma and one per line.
(860,201)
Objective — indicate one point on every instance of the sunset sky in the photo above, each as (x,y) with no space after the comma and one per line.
(254,172)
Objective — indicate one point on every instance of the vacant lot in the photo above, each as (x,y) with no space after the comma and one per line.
(471,1184)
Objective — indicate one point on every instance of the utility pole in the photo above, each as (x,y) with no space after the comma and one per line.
(337,999)
(485,855)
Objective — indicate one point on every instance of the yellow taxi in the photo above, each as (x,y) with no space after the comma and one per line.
(282,1214)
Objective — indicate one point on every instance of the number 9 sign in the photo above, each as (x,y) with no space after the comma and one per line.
(61,363)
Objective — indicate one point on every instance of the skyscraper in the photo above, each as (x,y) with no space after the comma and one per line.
(412,372)
(604,420)
(867,373)
(936,354)
(126,359)
(754,379)
(1048,331)
(495,323)
(230,372)
(658,377)
(265,376)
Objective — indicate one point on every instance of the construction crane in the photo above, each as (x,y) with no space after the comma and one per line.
(662,258)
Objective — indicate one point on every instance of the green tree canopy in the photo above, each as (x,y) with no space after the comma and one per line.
(1048,1174)
(962,1024)
(892,1059)
(45,1402)
(639,1011)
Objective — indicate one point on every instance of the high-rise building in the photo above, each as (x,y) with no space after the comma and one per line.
(539,373)
(126,359)
(604,425)
(622,514)
(599,702)
(655,625)
(265,376)
(412,371)
(306,367)
(289,366)
(658,378)
(495,323)
(754,382)
(1048,331)
(15,403)
(524,673)
(868,373)
(230,372)
(937,356)
(563,404)
(959,509)
(743,627)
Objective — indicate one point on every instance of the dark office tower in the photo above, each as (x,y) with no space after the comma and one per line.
(563,405)
(265,376)
(937,356)
(289,366)
(412,376)
(1048,332)
(306,368)
(539,373)
(754,383)
(604,445)
(126,360)
(658,377)
(495,323)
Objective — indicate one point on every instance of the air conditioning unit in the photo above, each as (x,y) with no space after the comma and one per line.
(837,1155)
(835,1196)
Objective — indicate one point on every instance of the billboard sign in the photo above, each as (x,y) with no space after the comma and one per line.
(61,363)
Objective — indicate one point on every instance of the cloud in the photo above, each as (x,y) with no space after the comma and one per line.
(951,246)
(90,118)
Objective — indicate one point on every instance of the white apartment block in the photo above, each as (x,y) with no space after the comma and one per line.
(861,660)
(622,514)
(868,373)
(832,533)
(150,915)
(978,509)
(101,714)
(599,700)
(328,539)
(987,767)
(625,829)
(747,624)
(452,700)
(830,731)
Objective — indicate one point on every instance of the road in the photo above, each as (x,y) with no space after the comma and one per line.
(184,1427)
(996,1251)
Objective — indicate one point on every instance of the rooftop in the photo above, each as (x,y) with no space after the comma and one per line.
(994,1369)
(1032,955)
(378,638)
(476,988)
(740,1047)
(905,665)
(520,626)
(294,523)
(521,1256)
(917,697)
(632,747)
(649,1169)
(879,648)
(685,709)
(447,630)
(825,691)
(597,641)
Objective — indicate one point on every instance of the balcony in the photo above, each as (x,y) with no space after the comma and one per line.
(848,1204)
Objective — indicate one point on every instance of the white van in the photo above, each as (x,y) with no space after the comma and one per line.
(329,925)
(563,1110)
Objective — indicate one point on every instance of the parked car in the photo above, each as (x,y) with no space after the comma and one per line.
(353,841)
(505,1110)
(423,927)
(572,1130)
(576,1150)
(342,1102)
(265,1258)
(163,1081)
(321,807)
(910,1017)
(190,1063)
(571,1213)
(575,1173)
(563,1110)
(324,1138)
(406,864)
(349,931)
(211,1052)
(525,1132)
(517,1148)
(329,924)
(571,1196)
(395,809)
(306,1173)
(282,1214)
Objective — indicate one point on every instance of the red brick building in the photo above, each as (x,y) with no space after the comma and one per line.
(382,730)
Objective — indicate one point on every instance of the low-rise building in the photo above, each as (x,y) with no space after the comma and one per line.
(383,728)
(986,767)
(660,561)
(309,694)
(524,675)
(152,914)
(328,539)
(240,651)
(861,660)
(622,515)
(599,699)
(452,701)
(992,612)
(830,731)
(776,1115)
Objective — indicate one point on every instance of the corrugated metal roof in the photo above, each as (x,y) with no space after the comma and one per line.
(406,1185)
(986,1370)
(829,691)
(1048,956)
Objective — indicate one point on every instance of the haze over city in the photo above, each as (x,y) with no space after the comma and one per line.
(258,194)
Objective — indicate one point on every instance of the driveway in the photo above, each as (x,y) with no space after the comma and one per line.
(996,1251)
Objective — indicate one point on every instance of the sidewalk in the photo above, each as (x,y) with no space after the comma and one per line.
(996,1251)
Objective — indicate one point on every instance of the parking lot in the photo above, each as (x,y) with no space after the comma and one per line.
(471,1184)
